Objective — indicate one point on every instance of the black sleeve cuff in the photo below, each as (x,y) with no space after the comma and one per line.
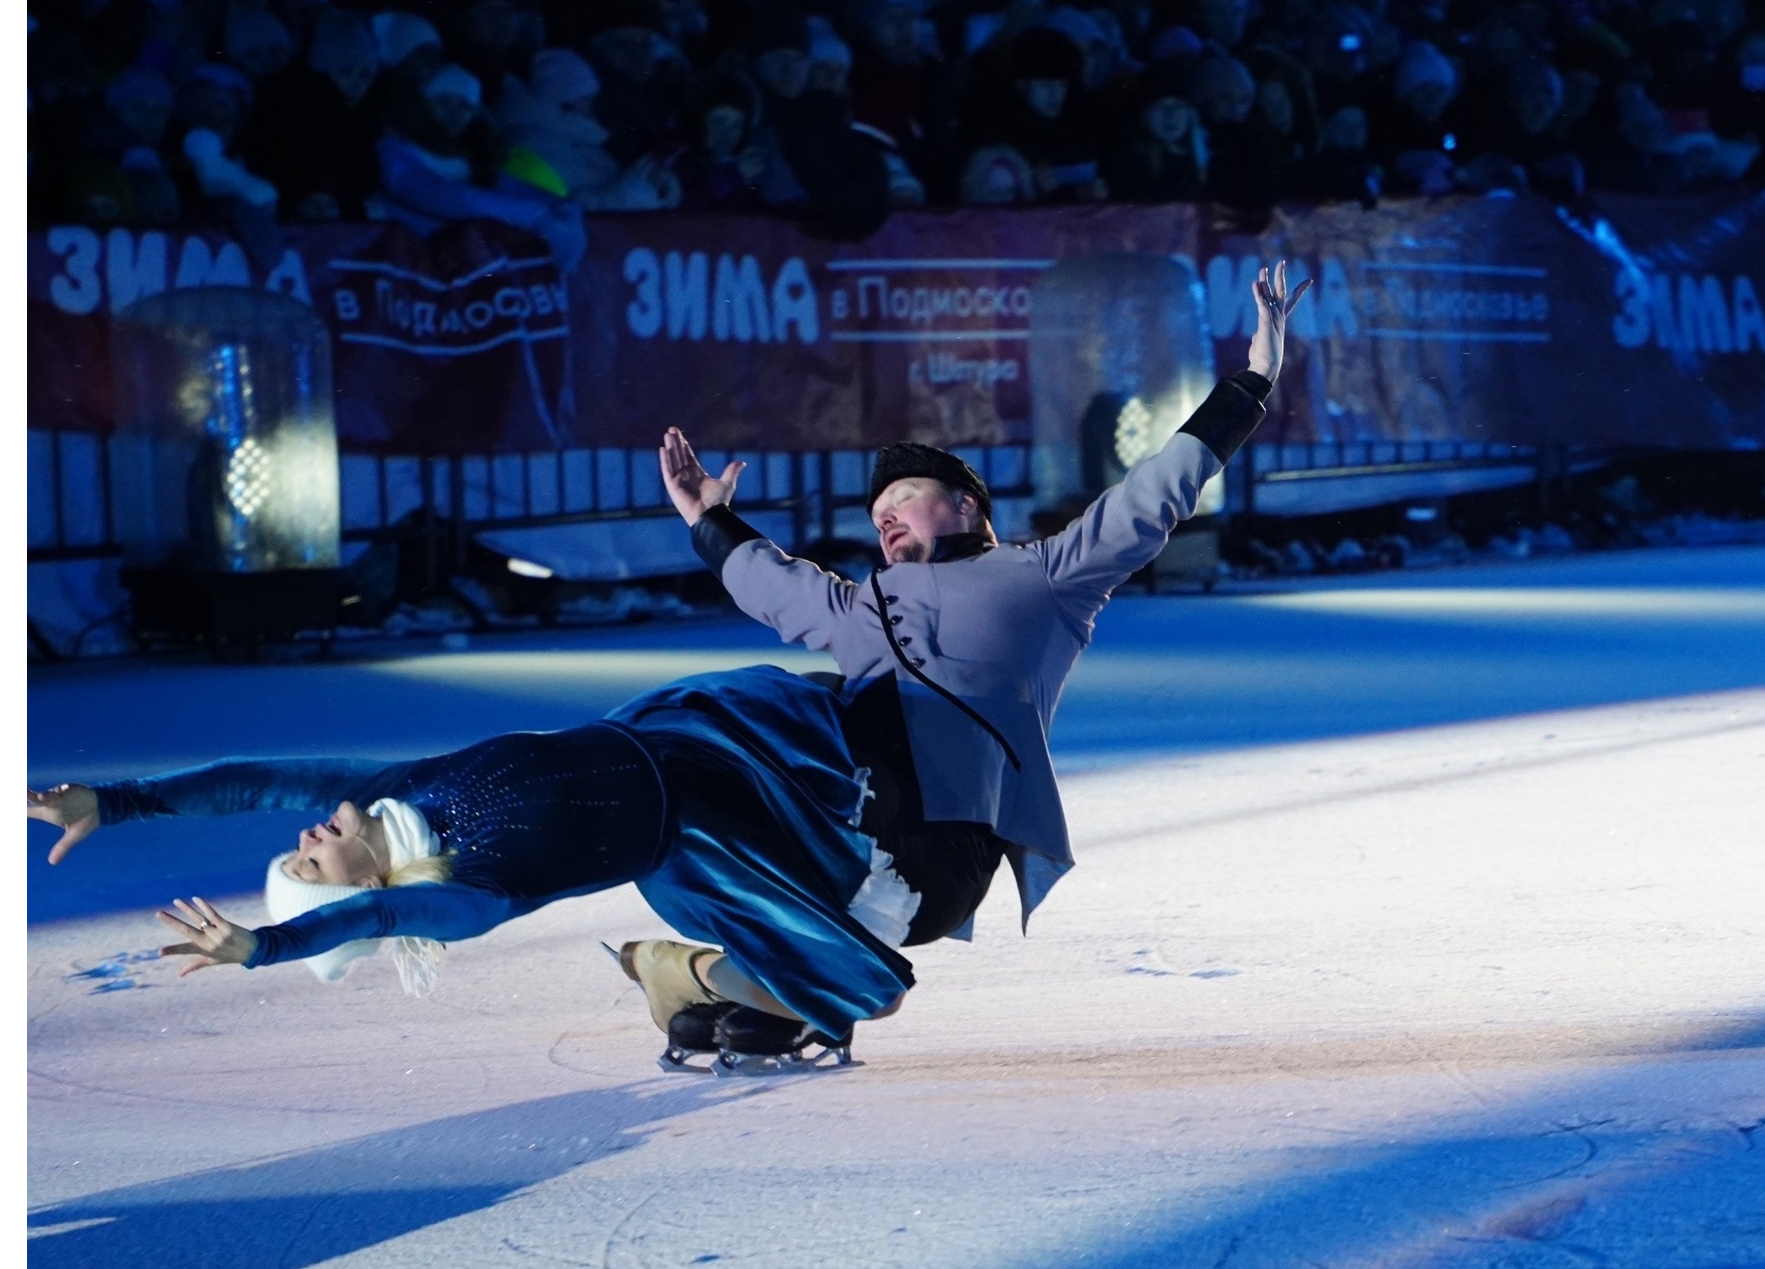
(1230,414)
(718,532)
(1254,384)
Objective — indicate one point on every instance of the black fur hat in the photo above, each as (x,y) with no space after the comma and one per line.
(909,459)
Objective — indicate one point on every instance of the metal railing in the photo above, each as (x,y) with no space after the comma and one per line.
(440,502)
(60,527)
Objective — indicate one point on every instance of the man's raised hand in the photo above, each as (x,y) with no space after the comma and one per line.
(689,487)
(1273,306)
(73,808)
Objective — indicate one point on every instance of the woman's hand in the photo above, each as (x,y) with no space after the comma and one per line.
(209,937)
(692,490)
(73,808)
(1273,306)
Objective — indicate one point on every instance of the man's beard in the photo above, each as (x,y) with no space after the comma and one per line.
(909,550)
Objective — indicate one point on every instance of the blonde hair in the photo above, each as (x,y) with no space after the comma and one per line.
(418,959)
(417,872)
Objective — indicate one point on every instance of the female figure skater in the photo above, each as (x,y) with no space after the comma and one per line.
(729,799)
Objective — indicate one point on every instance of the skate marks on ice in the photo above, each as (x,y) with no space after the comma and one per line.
(1226,1059)
(1639,1184)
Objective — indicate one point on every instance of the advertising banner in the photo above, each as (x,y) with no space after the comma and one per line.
(1632,321)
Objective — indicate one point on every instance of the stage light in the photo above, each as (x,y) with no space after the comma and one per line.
(225,481)
(527,568)
(1133,432)
(226,444)
(1139,431)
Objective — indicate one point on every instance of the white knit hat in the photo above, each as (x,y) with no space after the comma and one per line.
(408,837)
(454,81)
(559,75)
(401,34)
(287,898)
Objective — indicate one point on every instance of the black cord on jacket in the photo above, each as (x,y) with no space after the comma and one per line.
(895,647)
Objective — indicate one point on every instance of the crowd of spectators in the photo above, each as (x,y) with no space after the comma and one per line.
(251,114)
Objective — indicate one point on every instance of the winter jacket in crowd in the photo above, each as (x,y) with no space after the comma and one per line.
(571,148)
(425,190)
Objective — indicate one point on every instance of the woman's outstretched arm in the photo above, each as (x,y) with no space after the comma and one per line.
(228,787)
(445,911)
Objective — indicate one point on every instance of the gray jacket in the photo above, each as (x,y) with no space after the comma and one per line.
(1000,630)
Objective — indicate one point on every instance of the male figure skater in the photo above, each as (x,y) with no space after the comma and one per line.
(953,656)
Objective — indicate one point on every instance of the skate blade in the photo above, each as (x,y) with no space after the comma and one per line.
(732,1065)
(678,1061)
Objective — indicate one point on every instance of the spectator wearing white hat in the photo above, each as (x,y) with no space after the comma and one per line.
(558,145)
(407,43)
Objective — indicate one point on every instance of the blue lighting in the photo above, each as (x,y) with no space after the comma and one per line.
(1449,142)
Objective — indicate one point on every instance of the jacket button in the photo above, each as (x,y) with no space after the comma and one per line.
(895,621)
(905,640)
(918,661)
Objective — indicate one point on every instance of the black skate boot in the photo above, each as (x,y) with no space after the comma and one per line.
(754,1042)
(690,1032)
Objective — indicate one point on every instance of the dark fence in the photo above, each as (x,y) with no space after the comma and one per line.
(436,504)
(439,503)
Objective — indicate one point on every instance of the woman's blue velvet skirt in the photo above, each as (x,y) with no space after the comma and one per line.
(765,853)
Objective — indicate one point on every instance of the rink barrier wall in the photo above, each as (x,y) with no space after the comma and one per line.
(441,501)
(809,501)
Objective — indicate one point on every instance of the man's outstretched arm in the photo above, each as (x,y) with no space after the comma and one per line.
(1129,523)
(793,596)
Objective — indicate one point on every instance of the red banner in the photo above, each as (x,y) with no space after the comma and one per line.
(1634,322)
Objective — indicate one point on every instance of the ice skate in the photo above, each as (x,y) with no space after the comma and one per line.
(691,1033)
(753,1042)
(665,971)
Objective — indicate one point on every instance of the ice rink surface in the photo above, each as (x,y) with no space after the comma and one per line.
(1419,920)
